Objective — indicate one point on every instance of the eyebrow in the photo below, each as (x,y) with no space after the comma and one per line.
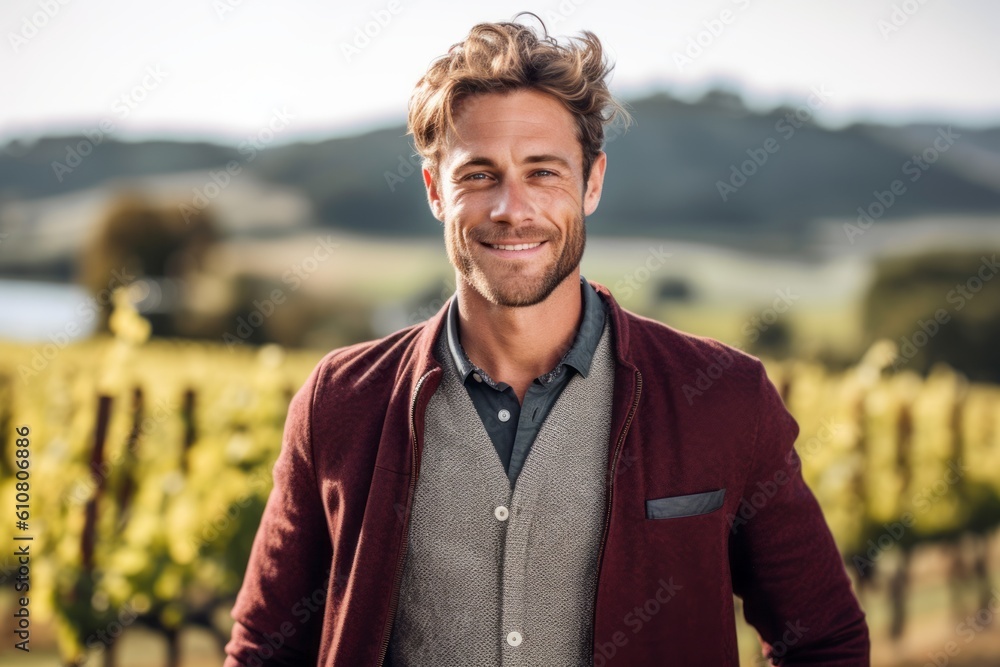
(481,161)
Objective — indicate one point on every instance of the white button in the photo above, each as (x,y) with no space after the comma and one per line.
(478,377)
(504,415)
(514,638)
(501,513)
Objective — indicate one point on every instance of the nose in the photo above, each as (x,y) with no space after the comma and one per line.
(513,204)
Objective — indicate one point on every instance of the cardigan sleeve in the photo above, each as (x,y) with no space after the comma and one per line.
(279,610)
(784,562)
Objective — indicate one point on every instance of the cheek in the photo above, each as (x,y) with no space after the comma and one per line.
(567,196)
(466,206)
(459,218)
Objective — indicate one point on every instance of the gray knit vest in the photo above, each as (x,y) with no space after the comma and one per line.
(498,576)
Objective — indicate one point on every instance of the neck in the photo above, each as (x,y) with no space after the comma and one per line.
(517,344)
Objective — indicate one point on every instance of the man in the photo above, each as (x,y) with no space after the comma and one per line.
(521,480)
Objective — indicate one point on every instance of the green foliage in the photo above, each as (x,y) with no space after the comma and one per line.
(138,238)
(186,449)
(940,307)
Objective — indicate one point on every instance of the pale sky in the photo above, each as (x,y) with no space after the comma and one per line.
(221,69)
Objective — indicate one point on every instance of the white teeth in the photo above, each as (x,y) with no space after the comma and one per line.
(520,246)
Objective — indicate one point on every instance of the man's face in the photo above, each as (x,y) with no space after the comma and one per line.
(512,176)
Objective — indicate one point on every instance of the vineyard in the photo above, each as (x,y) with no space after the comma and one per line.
(150,465)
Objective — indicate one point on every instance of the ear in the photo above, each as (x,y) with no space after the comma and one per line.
(433,195)
(595,183)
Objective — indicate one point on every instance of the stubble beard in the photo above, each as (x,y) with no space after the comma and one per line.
(517,290)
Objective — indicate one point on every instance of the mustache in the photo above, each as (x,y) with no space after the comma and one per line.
(524,235)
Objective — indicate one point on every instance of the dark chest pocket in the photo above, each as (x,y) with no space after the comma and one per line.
(674,507)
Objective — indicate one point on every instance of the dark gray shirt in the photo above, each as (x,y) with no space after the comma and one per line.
(511,426)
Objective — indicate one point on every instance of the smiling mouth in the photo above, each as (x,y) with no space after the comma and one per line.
(517,246)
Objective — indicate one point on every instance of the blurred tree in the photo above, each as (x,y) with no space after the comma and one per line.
(774,340)
(150,248)
(939,307)
(673,289)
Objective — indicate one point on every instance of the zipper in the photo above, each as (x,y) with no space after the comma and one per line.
(414,466)
(611,482)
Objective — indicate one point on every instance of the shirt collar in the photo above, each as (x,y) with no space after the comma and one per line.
(579,356)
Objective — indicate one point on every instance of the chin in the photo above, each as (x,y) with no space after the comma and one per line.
(515,292)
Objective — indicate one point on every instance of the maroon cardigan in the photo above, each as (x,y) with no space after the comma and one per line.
(690,416)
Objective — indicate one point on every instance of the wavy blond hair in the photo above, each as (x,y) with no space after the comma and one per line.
(508,56)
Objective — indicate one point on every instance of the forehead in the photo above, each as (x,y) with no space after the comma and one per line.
(511,124)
